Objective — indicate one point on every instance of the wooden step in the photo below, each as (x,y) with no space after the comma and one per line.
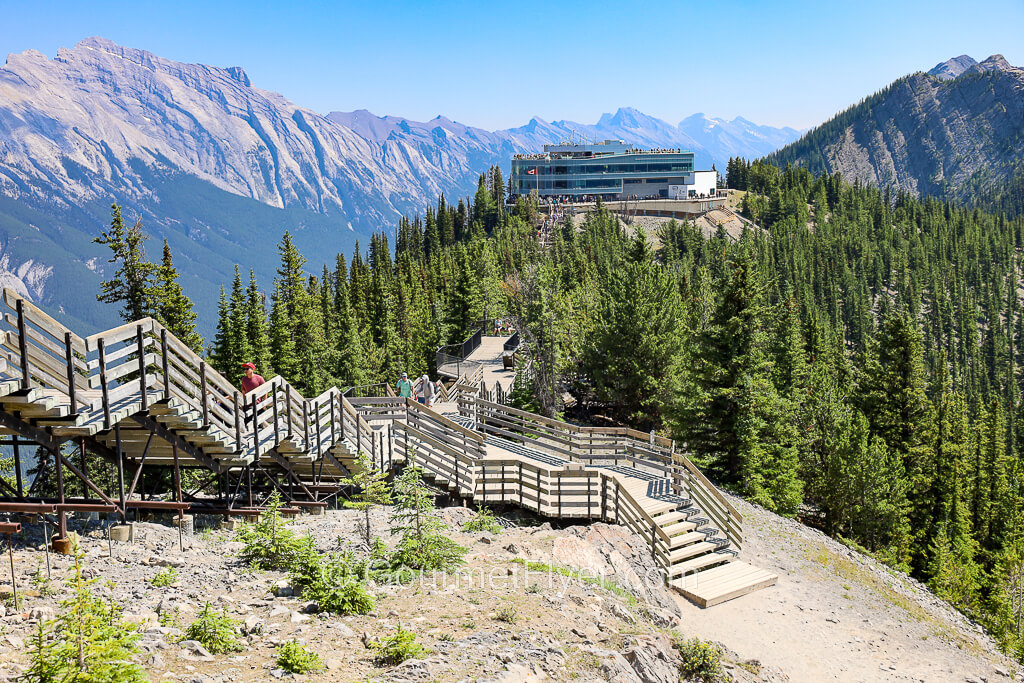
(678,528)
(687,538)
(701,562)
(718,584)
(691,550)
(670,517)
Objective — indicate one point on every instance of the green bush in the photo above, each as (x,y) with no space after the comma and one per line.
(269,543)
(334,581)
(395,649)
(165,577)
(215,630)
(87,641)
(484,521)
(424,544)
(294,658)
(507,614)
(701,661)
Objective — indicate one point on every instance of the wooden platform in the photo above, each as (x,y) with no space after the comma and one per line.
(722,583)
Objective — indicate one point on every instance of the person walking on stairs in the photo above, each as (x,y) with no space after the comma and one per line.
(404,386)
(251,380)
(425,392)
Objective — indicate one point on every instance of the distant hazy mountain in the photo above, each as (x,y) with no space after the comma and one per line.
(220,168)
(955,132)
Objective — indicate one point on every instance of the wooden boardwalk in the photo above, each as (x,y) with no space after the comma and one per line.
(150,406)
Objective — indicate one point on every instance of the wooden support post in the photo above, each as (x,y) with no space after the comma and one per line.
(520,484)
(26,372)
(100,348)
(334,433)
(288,408)
(277,429)
(165,362)
(238,423)
(617,517)
(70,357)
(604,498)
(206,394)
(483,483)
(255,432)
(62,520)
(654,542)
(305,426)
(558,485)
(140,345)
(341,407)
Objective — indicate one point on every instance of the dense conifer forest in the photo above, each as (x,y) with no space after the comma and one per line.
(854,361)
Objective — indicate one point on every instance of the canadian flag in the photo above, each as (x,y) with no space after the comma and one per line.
(532,171)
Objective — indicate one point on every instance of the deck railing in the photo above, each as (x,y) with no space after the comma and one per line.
(122,371)
(606,446)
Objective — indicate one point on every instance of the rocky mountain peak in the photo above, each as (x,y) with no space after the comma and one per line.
(994,63)
(951,68)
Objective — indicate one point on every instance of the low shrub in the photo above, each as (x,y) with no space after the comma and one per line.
(296,659)
(165,577)
(333,581)
(215,630)
(87,641)
(269,543)
(508,614)
(395,649)
(701,661)
(484,521)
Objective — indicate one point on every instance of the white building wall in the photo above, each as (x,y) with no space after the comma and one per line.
(694,185)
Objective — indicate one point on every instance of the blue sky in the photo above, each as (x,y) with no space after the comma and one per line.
(495,65)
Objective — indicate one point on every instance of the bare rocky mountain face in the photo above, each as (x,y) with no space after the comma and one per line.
(956,132)
(221,168)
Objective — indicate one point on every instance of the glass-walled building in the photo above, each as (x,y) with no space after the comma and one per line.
(611,169)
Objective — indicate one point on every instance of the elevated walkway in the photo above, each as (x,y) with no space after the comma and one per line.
(148,405)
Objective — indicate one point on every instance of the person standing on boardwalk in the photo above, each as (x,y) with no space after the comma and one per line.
(251,380)
(404,386)
(425,394)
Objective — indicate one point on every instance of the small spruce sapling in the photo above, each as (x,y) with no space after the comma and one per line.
(373,490)
(87,641)
(424,544)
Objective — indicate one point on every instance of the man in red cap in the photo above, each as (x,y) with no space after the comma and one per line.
(251,379)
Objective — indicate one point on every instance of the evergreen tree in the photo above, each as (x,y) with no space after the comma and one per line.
(132,282)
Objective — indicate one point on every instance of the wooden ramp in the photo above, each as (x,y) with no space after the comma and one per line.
(724,582)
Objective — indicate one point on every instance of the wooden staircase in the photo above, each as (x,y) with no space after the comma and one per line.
(140,398)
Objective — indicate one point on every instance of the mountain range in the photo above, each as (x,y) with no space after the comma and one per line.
(221,168)
(955,132)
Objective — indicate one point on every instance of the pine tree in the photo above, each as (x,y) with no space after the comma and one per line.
(892,394)
(256,327)
(372,490)
(132,282)
(172,308)
(424,544)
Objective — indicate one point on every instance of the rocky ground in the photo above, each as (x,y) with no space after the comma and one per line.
(834,615)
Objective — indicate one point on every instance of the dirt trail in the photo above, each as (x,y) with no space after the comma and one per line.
(837,615)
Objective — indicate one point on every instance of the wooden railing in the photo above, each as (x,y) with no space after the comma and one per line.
(124,370)
(607,446)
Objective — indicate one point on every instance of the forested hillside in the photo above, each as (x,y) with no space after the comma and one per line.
(855,362)
(953,133)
